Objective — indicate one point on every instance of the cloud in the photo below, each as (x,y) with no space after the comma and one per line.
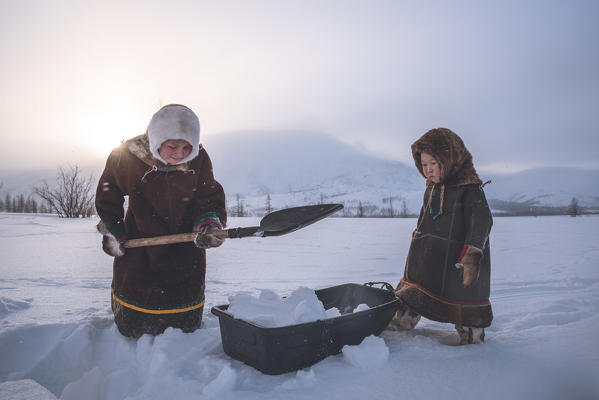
(516,79)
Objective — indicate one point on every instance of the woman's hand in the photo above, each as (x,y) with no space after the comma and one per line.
(206,238)
(111,246)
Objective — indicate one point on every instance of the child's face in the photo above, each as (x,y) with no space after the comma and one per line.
(430,167)
(174,150)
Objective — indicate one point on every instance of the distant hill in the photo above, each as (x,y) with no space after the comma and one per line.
(297,168)
(543,189)
(306,167)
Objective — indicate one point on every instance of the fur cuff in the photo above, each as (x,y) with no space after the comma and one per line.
(207,218)
(115,230)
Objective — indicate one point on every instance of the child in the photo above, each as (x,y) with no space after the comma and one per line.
(448,269)
(168,177)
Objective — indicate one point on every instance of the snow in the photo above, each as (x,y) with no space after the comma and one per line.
(24,389)
(7,305)
(269,310)
(56,327)
(371,354)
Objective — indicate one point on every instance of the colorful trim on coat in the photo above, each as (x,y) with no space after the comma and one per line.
(444,300)
(207,218)
(438,308)
(154,310)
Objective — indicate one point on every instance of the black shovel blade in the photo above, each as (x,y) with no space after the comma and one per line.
(291,219)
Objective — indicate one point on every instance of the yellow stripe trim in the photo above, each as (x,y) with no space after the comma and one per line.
(149,311)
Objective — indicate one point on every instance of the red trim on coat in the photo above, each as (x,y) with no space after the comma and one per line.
(446,300)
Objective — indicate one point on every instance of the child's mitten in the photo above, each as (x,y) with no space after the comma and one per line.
(112,247)
(206,224)
(206,238)
(470,262)
(110,244)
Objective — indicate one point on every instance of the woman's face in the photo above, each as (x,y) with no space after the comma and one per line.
(430,167)
(174,150)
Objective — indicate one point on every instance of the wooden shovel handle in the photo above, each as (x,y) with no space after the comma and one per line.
(276,223)
(170,239)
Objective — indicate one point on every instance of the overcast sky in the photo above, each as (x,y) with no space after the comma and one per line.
(518,80)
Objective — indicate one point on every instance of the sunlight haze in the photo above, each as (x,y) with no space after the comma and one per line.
(517,80)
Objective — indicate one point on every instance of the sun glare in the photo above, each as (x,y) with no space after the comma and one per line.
(111,128)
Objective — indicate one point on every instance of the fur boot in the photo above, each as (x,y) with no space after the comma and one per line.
(404,319)
(467,335)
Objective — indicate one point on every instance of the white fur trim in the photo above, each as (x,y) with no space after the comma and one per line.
(174,121)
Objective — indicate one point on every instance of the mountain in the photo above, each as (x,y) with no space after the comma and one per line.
(307,167)
(298,168)
(549,187)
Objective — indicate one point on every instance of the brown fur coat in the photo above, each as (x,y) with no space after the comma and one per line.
(454,216)
(159,286)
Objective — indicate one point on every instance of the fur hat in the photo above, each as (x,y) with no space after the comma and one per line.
(455,161)
(174,121)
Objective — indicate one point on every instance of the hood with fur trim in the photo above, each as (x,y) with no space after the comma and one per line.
(139,146)
(455,161)
(174,121)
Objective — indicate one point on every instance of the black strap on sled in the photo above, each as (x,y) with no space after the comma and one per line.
(385,285)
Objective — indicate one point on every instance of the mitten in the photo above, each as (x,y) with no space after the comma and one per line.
(470,261)
(209,218)
(206,238)
(110,244)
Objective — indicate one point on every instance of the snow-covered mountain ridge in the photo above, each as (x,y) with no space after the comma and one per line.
(297,168)
(304,167)
(301,168)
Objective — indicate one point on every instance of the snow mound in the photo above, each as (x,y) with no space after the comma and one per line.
(93,361)
(270,310)
(372,353)
(8,306)
(302,380)
(24,389)
(224,382)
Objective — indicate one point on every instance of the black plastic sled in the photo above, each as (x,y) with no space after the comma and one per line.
(283,349)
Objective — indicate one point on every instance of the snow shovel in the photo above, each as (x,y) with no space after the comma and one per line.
(276,223)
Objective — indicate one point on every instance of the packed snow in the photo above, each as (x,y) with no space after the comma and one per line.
(56,328)
(371,354)
(269,310)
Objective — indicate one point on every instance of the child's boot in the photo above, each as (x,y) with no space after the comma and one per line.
(469,335)
(404,319)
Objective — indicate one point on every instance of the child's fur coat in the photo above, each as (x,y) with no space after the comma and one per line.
(454,215)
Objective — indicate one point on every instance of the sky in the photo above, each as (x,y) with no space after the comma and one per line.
(517,80)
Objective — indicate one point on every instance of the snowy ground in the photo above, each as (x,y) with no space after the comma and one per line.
(56,327)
